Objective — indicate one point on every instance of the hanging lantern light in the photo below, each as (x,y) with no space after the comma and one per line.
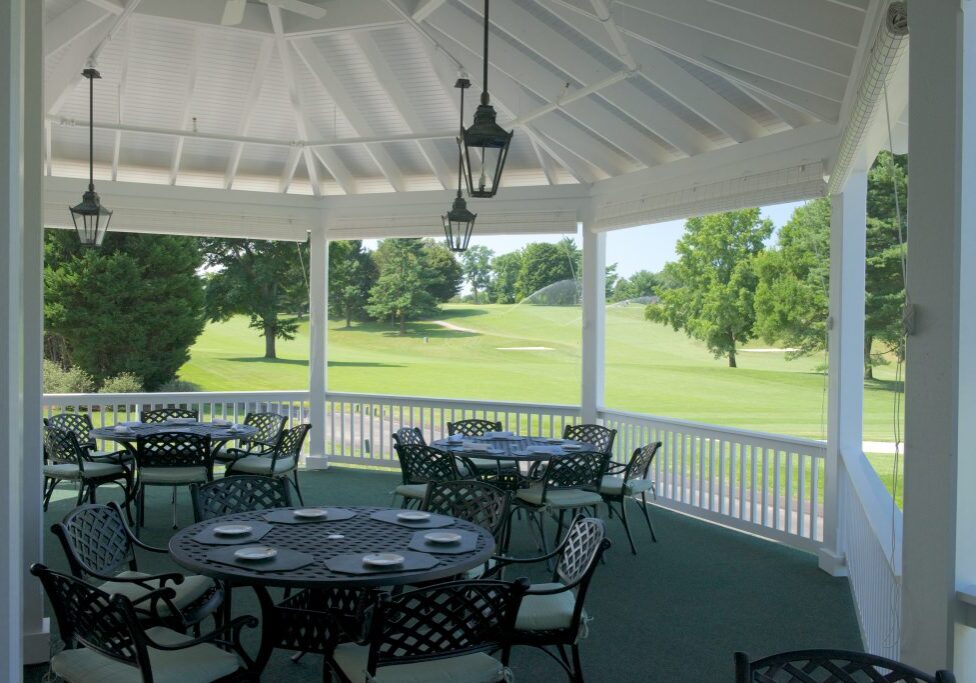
(484,144)
(459,222)
(91,219)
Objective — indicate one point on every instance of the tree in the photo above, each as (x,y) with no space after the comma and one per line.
(351,275)
(257,278)
(476,263)
(641,284)
(714,279)
(400,294)
(505,269)
(133,306)
(791,297)
(440,270)
(543,264)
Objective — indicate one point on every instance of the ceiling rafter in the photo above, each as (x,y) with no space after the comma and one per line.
(833,22)
(294,98)
(628,140)
(545,161)
(562,53)
(247,113)
(123,76)
(425,8)
(344,102)
(402,103)
(660,71)
(70,25)
(191,89)
(113,6)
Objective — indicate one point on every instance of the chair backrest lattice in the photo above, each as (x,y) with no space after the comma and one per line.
(473,501)
(584,469)
(95,540)
(90,617)
(598,436)
(444,620)
(239,493)
(830,666)
(61,446)
(162,414)
(409,436)
(174,449)
(584,543)
(79,423)
(640,461)
(292,440)
(269,426)
(473,427)
(424,464)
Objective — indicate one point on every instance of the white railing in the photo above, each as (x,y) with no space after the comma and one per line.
(358,427)
(766,484)
(870,537)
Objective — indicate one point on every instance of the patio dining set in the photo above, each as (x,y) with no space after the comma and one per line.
(426,591)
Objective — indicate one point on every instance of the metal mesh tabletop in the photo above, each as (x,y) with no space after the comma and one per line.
(215,432)
(361,535)
(512,449)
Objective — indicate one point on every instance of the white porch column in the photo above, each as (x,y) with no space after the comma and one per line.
(594,319)
(845,392)
(939,547)
(12,203)
(36,627)
(318,316)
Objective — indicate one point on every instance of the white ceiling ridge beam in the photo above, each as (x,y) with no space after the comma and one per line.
(537,37)
(344,30)
(604,16)
(191,87)
(425,9)
(548,169)
(120,19)
(403,106)
(294,98)
(113,6)
(70,25)
(123,77)
(68,122)
(344,102)
(805,16)
(745,29)
(59,85)
(572,96)
(250,100)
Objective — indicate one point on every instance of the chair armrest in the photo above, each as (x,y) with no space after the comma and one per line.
(142,581)
(232,628)
(616,468)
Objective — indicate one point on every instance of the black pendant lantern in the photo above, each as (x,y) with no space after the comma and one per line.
(90,217)
(485,143)
(459,222)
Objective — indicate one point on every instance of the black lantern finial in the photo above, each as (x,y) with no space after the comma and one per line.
(484,144)
(90,217)
(459,222)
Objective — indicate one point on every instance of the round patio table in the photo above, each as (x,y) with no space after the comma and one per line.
(219,433)
(514,449)
(359,534)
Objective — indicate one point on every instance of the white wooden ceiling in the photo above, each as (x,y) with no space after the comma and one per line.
(362,100)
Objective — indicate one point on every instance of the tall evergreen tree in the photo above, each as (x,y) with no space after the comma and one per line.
(476,263)
(401,294)
(505,269)
(133,306)
(544,264)
(352,273)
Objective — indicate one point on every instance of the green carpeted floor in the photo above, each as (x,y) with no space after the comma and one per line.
(675,612)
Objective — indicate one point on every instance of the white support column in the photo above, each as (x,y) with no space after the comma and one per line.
(318,317)
(36,626)
(594,320)
(845,392)
(940,406)
(12,203)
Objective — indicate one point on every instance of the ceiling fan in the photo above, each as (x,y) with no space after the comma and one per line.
(234,9)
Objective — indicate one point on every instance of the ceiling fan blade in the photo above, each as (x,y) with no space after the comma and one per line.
(233,12)
(298,7)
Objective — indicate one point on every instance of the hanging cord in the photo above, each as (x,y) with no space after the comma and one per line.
(484,66)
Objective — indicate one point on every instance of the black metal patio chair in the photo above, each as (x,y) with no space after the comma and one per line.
(409,435)
(474,501)
(420,465)
(101,549)
(160,415)
(599,437)
(67,460)
(624,481)
(269,428)
(473,427)
(830,666)
(81,425)
(281,461)
(240,493)
(105,640)
(170,459)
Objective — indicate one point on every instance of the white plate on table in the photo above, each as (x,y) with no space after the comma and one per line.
(255,552)
(311,513)
(181,420)
(382,559)
(232,530)
(413,516)
(442,537)
(572,447)
(121,429)
(221,423)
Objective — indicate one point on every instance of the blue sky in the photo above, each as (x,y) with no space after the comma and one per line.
(647,247)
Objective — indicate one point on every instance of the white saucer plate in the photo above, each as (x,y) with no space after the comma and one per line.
(442,537)
(311,513)
(413,516)
(255,552)
(382,559)
(232,530)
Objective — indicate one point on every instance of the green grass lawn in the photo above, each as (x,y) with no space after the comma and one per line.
(649,369)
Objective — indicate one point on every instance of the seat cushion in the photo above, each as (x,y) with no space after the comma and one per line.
(112,456)
(92,470)
(199,663)
(417,491)
(259,464)
(476,668)
(546,612)
(614,486)
(559,498)
(489,464)
(188,592)
(172,475)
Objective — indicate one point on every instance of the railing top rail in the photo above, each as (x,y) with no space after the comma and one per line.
(176,397)
(744,434)
(514,406)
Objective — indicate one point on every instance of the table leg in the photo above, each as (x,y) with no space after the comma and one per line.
(268,627)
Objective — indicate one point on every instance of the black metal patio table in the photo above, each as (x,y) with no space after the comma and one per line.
(513,449)
(219,433)
(325,545)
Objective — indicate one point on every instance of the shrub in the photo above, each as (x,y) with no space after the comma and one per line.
(177,385)
(74,380)
(122,383)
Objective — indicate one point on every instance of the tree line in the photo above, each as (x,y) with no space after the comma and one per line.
(727,287)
